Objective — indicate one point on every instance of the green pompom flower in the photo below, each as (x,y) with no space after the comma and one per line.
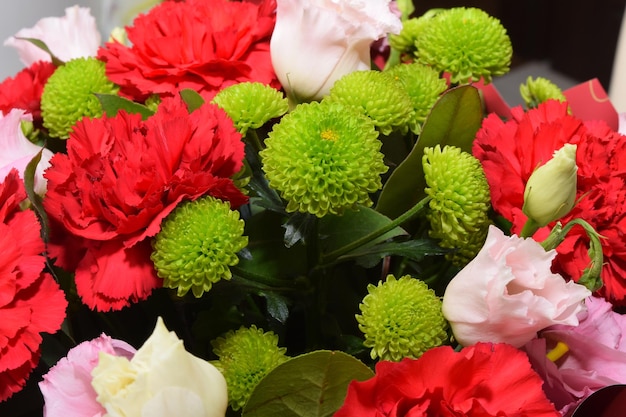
(401,318)
(538,90)
(324,158)
(251,105)
(245,357)
(467,43)
(460,201)
(197,244)
(424,86)
(70,94)
(376,95)
(405,41)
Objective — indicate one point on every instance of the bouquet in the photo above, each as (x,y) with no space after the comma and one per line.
(304,208)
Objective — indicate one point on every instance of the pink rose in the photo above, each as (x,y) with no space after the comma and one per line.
(67,389)
(74,35)
(16,151)
(507,293)
(316,42)
(593,354)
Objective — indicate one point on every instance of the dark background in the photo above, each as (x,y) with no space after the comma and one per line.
(577,37)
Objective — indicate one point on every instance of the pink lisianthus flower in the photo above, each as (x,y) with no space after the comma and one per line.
(508,293)
(67,388)
(592,355)
(16,151)
(316,42)
(74,35)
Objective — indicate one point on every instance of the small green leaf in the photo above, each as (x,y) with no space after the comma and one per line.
(192,99)
(310,385)
(35,199)
(338,231)
(276,306)
(41,45)
(453,120)
(111,104)
(270,259)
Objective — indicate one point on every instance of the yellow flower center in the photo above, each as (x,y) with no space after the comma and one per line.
(329,135)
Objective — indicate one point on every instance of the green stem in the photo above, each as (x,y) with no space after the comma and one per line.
(529,229)
(253,139)
(406,216)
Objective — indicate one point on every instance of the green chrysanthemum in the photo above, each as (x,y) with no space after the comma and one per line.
(467,43)
(424,86)
(460,201)
(197,244)
(401,318)
(251,105)
(69,94)
(324,158)
(538,90)
(245,357)
(405,41)
(376,95)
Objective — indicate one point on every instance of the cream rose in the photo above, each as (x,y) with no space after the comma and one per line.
(316,42)
(507,293)
(161,380)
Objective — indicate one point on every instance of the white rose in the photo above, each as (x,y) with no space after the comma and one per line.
(316,42)
(161,380)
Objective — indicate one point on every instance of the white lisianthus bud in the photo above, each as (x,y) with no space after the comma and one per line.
(551,189)
(162,379)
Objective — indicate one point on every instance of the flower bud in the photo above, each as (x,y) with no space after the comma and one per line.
(551,190)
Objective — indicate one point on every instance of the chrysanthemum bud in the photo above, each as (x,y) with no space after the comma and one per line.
(460,201)
(401,318)
(551,189)
(467,43)
(197,244)
(245,357)
(538,90)
(70,94)
(424,86)
(376,95)
(251,105)
(324,158)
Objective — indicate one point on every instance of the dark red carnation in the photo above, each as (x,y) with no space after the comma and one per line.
(120,178)
(204,45)
(482,380)
(24,90)
(510,151)
(31,302)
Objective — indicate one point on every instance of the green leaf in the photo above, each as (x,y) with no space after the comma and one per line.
(314,384)
(338,231)
(112,103)
(415,250)
(41,45)
(453,120)
(192,99)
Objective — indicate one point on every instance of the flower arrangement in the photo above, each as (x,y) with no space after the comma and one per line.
(303,208)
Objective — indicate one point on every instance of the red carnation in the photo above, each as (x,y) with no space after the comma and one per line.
(510,151)
(120,178)
(24,90)
(31,302)
(481,380)
(204,45)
